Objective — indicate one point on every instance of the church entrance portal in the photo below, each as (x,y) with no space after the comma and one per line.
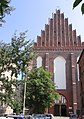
(60,107)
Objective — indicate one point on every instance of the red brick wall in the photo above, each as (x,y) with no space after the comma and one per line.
(81,73)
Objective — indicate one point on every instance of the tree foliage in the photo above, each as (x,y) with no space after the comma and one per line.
(14,58)
(6,90)
(76,3)
(5,9)
(41,91)
(17,106)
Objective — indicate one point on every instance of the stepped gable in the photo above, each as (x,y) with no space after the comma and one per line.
(58,34)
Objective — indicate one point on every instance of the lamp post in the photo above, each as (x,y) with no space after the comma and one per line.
(24,98)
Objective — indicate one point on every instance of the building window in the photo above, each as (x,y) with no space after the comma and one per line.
(60,72)
(39,62)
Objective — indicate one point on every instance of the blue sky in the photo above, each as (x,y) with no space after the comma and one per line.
(32,15)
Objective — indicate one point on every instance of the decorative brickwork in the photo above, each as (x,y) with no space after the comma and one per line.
(59,39)
(58,33)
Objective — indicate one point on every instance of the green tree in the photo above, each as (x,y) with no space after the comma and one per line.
(17,103)
(5,9)
(76,3)
(17,106)
(15,57)
(41,91)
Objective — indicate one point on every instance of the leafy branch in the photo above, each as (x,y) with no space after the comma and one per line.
(76,3)
(5,9)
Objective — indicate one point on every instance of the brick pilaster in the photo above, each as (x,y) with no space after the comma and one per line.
(73,66)
(54,30)
(38,41)
(62,29)
(58,27)
(74,37)
(51,32)
(70,34)
(79,40)
(46,35)
(66,32)
(47,61)
(43,37)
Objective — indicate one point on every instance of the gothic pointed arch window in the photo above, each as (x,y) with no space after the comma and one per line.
(60,72)
(39,61)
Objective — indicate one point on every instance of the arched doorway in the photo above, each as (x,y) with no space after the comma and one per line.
(60,107)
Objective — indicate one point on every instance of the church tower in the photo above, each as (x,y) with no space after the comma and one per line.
(58,49)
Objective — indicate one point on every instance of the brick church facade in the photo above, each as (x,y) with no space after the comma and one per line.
(58,49)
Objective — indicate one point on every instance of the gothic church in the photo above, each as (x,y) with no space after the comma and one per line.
(58,50)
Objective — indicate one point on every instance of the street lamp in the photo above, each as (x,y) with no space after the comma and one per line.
(24,98)
(24,78)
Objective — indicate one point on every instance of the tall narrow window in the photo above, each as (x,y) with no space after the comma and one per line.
(39,62)
(60,72)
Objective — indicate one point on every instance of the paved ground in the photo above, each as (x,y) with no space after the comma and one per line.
(62,118)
